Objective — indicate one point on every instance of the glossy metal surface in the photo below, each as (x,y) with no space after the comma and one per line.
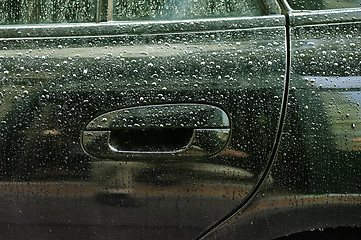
(324,108)
(163,115)
(209,125)
(220,177)
(138,27)
(202,143)
(317,171)
(52,87)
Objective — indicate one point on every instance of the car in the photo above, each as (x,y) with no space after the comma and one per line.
(189,119)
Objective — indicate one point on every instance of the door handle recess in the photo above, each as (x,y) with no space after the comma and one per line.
(158,131)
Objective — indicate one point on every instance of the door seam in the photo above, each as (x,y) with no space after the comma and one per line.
(273,155)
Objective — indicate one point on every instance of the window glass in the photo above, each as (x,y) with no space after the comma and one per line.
(183,9)
(323,4)
(46,11)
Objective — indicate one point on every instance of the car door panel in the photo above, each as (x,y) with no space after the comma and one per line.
(59,78)
(316,190)
(325,79)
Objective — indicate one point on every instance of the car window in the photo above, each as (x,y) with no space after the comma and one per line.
(323,4)
(46,11)
(183,9)
(67,11)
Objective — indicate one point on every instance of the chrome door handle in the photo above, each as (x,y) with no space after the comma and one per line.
(158,131)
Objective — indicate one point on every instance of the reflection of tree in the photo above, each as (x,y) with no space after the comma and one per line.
(309,5)
(38,11)
(35,143)
(12,10)
(179,9)
(324,4)
(22,11)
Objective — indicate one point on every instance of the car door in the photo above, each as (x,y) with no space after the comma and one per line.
(324,109)
(316,189)
(148,119)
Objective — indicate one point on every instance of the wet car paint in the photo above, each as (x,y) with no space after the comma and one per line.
(313,175)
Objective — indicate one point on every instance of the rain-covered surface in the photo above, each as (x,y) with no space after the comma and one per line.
(183,9)
(323,4)
(46,11)
(51,88)
(322,128)
(158,129)
(317,173)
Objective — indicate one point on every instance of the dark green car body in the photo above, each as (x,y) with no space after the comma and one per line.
(179,119)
